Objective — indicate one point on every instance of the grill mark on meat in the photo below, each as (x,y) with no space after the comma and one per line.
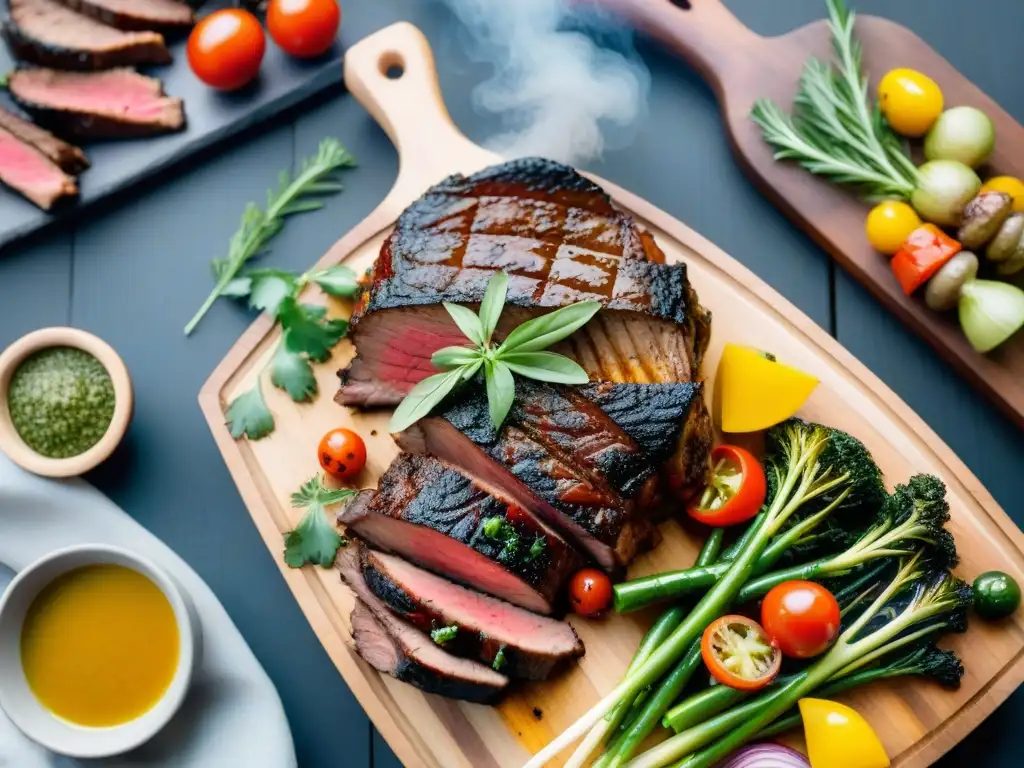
(31,173)
(168,16)
(68,157)
(46,33)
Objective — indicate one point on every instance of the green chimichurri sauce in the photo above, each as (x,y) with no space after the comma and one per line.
(61,401)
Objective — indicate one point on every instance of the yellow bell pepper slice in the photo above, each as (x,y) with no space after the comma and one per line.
(838,737)
(753,393)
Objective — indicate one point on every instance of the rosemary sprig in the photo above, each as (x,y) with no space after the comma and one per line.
(834,132)
(258,227)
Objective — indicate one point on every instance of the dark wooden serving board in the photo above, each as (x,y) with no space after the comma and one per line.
(742,66)
(212,117)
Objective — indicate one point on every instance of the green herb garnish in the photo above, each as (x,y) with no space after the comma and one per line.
(521,353)
(314,539)
(538,547)
(444,634)
(499,660)
(258,227)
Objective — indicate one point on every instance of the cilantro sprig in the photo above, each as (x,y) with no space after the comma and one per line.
(307,337)
(317,176)
(314,539)
(521,353)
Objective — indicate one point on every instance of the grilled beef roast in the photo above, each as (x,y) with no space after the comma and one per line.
(395,646)
(49,34)
(561,241)
(69,157)
(28,171)
(442,520)
(116,103)
(557,455)
(167,16)
(532,646)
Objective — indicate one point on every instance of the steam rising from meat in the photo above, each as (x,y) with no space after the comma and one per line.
(559,93)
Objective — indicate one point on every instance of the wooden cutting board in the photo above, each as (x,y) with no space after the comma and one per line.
(917,721)
(742,66)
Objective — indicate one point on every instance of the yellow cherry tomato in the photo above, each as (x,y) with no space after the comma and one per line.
(838,737)
(889,225)
(1009,185)
(910,101)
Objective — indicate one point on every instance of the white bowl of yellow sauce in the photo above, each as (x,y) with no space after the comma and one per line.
(97,650)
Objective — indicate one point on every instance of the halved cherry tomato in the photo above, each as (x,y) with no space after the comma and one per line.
(736,490)
(590,592)
(342,453)
(738,653)
(225,48)
(801,618)
(303,28)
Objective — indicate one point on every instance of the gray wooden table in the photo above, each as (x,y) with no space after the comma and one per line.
(136,271)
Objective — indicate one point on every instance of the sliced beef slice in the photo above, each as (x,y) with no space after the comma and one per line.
(561,241)
(117,103)
(68,157)
(29,172)
(50,34)
(167,16)
(441,519)
(531,646)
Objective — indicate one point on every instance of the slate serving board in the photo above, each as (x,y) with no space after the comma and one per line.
(212,117)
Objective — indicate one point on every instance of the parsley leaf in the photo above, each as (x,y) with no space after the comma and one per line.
(269,289)
(248,415)
(337,281)
(314,539)
(304,332)
(445,634)
(239,288)
(293,374)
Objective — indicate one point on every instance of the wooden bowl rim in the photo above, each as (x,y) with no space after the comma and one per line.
(11,442)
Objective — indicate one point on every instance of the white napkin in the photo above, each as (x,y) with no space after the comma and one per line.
(232,716)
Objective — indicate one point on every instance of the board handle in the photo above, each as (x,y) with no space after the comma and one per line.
(705,33)
(392,74)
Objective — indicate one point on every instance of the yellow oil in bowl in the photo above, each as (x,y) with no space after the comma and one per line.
(100,645)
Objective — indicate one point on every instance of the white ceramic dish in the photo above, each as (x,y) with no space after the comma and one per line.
(232,715)
(25,710)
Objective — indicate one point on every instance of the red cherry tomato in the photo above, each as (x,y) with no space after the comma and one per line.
(801,618)
(225,49)
(738,653)
(736,490)
(342,453)
(303,28)
(590,592)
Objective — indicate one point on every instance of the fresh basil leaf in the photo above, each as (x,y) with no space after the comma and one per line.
(269,289)
(248,415)
(239,288)
(468,322)
(452,357)
(545,366)
(543,331)
(293,374)
(422,399)
(492,305)
(469,371)
(337,281)
(501,391)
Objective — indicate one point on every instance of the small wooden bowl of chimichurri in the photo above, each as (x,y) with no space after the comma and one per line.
(65,401)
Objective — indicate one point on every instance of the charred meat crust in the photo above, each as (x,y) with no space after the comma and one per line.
(68,157)
(166,16)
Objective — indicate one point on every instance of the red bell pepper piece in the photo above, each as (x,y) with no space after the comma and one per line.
(922,255)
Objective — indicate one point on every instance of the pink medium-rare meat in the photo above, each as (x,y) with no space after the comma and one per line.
(29,172)
(68,157)
(117,103)
(439,518)
(561,241)
(169,16)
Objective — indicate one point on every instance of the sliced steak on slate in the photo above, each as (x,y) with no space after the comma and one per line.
(394,646)
(117,103)
(29,172)
(442,520)
(168,16)
(70,158)
(561,241)
(49,34)
(531,646)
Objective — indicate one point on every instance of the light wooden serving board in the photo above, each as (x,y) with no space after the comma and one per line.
(917,721)
(742,66)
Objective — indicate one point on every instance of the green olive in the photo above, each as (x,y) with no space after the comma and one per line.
(1007,239)
(982,218)
(943,291)
(996,595)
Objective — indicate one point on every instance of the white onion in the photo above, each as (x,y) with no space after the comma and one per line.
(964,134)
(765,755)
(944,187)
(990,312)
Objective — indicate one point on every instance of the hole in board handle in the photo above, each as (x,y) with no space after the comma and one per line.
(391,65)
